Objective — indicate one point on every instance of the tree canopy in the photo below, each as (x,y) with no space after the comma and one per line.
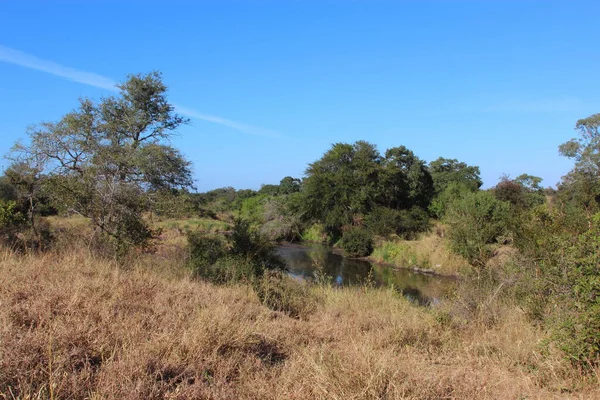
(104,159)
(352,180)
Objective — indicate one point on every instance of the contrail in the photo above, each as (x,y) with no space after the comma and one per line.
(17,57)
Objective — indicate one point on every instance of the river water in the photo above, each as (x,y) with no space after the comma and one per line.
(322,263)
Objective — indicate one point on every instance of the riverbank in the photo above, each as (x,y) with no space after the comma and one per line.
(75,326)
(427,254)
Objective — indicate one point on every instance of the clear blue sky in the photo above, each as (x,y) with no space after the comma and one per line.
(270,85)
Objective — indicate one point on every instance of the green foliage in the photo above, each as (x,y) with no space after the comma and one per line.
(475,222)
(352,180)
(357,242)
(10,217)
(407,224)
(289,185)
(445,172)
(582,184)
(342,184)
(405,181)
(580,333)
(253,209)
(104,160)
(383,221)
(244,255)
(8,192)
(522,193)
(316,233)
(452,192)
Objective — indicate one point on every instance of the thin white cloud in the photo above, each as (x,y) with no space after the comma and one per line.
(17,57)
(249,129)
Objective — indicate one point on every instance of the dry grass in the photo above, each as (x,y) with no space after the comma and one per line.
(72,326)
(430,251)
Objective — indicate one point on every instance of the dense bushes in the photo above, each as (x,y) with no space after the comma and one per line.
(407,224)
(476,222)
(244,255)
(357,242)
(11,221)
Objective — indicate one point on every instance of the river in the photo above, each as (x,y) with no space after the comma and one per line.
(322,263)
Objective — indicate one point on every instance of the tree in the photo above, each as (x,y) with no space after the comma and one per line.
(523,192)
(582,184)
(445,171)
(342,184)
(405,181)
(104,160)
(352,181)
(289,185)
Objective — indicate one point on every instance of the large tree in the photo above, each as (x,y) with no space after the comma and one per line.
(105,159)
(342,183)
(350,181)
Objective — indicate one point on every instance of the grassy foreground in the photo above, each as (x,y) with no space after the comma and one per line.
(72,326)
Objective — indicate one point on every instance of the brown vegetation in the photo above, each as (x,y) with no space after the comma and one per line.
(72,326)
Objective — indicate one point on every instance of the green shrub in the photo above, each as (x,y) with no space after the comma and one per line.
(316,233)
(442,201)
(244,255)
(9,216)
(579,335)
(475,222)
(357,242)
(412,222)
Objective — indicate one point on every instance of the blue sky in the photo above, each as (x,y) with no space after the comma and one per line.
(270,85)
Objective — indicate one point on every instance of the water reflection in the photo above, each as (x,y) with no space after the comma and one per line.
(321,263)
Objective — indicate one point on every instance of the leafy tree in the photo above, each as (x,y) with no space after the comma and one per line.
(103,160)
(445,171)
(289,185)
(454,191)
(350,181)
(342,184)
(269,190)
(523,192)
(405,181)
(8,192)
(582,184)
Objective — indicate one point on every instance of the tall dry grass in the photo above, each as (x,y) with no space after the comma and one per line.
(72,326)
(429,251)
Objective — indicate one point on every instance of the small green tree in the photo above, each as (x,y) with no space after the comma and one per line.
(475,222)
(104,160)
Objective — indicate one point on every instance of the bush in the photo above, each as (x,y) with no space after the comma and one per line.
(412,222)
(11,222)
(357,242)
(316,233)
(475,222)
(579,334)
(245,255)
